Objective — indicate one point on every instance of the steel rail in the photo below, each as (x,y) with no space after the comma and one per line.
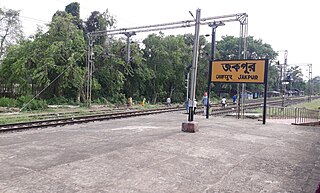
(80,119)
(118,115)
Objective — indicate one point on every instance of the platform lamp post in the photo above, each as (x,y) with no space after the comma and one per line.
(214,26)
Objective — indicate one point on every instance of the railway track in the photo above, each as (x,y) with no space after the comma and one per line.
(217,110)
(80,119)
(107,115)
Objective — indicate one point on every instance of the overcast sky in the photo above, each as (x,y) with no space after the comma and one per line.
(285,25)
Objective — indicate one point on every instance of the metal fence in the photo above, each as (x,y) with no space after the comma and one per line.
(300,115)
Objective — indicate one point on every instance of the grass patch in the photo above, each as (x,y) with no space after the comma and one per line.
(314,104)
(61,112)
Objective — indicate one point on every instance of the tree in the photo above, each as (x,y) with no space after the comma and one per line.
(17,68)
(274,81)
(294,77)
(10,29)
(109,63)
(99,22)
(56,57)
(167,57)
(315,83)
(74,10)
(65,48)
(109,72)
(228,49)
(138,76)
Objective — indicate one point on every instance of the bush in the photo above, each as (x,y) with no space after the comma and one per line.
(8,102)
(101,101)
(35,104)
(118,99)
(23,100)
(58,101)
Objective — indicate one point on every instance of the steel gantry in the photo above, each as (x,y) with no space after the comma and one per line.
(241,17)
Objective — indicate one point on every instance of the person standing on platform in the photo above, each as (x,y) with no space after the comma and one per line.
(224,102)
(234,99)
(168,102)
(194,106)
(188,104)
(205,103)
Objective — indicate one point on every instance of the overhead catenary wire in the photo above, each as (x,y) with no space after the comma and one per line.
(170,25)
(34,19)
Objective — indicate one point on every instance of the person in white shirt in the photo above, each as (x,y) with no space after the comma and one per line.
(194,106)
(168,102)
(224,102)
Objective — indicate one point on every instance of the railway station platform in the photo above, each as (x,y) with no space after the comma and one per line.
(152,154)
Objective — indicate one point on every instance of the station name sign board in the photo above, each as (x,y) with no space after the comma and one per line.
(239,71)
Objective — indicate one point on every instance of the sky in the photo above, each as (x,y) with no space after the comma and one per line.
(284,24)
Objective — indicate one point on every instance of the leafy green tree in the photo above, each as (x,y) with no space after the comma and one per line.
(315,83)
(10,29)
(138,75)
(110,72)
(17,68)
(273,77)
(56,57)
(65,53)
(99,22)
(228,49)
(109,63)
(295,78)
(74,10)
(56,61)
(166,57)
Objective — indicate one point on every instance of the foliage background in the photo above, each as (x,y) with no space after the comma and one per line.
(52,64)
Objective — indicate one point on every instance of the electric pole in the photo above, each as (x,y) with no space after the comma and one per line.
(129,34)
(283,75)
(310,85)
(89,70)
(194,64)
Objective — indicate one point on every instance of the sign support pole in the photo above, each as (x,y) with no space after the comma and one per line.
(242,71)
(209,86)
(265,92)
(214,26)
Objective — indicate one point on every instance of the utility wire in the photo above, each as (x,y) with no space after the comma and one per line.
(30,18)
(24,106)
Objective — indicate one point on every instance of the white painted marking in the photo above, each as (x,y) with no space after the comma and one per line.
(140,128)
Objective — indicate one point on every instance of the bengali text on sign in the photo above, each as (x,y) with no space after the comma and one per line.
(241,71)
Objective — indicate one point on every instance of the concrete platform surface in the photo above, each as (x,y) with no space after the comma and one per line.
(152,154)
